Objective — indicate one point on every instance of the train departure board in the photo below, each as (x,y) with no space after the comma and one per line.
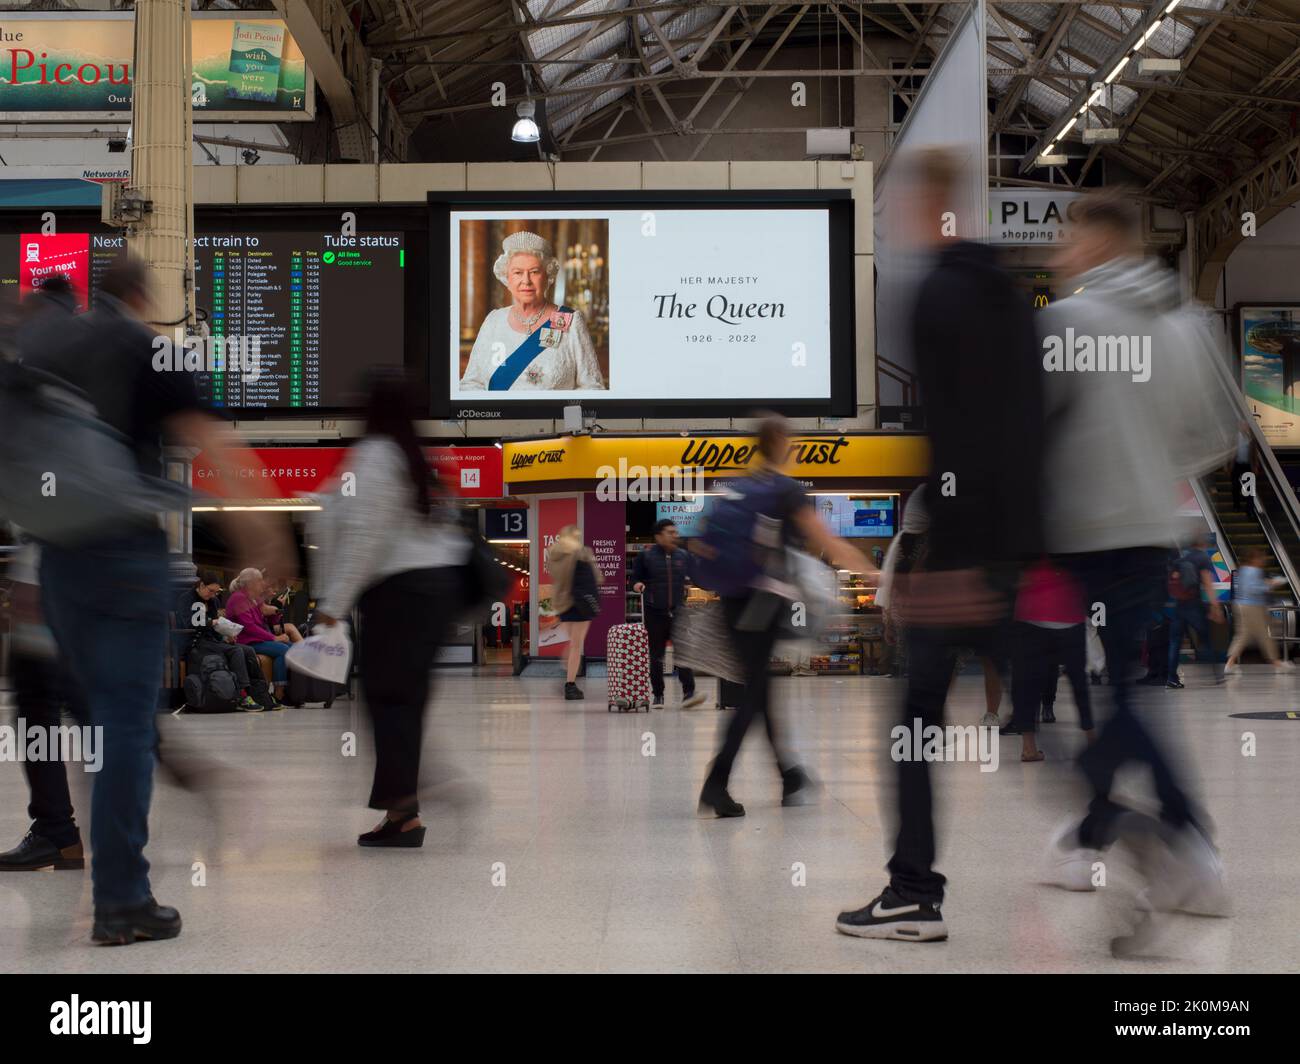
(298,316)
(321,309)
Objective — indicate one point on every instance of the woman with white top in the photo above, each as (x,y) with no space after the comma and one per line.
(386,551)
(533,344)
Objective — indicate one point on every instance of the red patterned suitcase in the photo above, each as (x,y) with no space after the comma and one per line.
(627,662)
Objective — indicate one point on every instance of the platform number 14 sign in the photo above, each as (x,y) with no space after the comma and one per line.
(469,478)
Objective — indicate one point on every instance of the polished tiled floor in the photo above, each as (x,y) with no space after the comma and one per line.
(584,853)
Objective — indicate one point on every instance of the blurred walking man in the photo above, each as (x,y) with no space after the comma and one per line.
(981,386)
(1131,422)
(107,601)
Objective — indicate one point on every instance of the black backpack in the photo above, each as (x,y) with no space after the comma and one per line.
(213,689)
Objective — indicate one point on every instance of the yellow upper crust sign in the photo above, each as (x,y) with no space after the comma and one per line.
(813,456)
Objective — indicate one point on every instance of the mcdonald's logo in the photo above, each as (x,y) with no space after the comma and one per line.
(1040,300)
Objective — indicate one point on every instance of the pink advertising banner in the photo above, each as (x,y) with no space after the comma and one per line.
(604,528)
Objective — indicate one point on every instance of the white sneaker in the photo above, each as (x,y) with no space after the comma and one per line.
(694,700)
(1069,865)
(1197,873)
(1181,868)
(990,720)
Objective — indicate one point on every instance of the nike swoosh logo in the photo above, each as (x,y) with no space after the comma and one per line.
(880,910)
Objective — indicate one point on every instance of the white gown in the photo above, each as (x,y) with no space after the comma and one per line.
(569,366)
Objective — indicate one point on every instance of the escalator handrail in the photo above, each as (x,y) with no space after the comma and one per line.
(1276,477)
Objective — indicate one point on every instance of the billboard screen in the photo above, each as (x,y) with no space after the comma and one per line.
(709,304)
(79,66)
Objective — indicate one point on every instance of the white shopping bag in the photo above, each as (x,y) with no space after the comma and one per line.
(323,655)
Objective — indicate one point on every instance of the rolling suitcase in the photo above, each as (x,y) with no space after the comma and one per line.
(627,662)
(304,689)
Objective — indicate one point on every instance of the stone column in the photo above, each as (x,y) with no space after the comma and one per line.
(161,157)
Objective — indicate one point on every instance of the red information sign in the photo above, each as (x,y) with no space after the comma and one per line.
(42,255)
(288,472)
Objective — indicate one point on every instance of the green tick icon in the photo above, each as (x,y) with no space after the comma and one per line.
(328,257)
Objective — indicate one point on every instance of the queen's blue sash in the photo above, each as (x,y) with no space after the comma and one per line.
(521,357)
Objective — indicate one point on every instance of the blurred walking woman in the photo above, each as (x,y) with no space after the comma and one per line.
(386,551)
(575,577)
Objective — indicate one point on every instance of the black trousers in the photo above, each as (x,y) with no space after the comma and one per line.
(755,651)
(403,621)
(932,659)
(659,627)
(41,694)
(240,659)
(1039,655)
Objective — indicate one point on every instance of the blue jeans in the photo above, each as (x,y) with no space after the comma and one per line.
(275,651)
(107,606)
(1190,616)
(1131,584)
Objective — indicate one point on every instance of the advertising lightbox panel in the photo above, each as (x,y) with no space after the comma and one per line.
(79,67)
(724,305)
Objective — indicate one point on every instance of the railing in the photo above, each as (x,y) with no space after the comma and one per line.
(901,375)
(1275,502)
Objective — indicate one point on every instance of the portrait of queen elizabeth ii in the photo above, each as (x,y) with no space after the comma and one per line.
(534,343)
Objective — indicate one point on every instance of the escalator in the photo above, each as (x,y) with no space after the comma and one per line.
(1270,520)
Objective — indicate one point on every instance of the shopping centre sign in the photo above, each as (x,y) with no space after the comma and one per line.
(819,458)
(80,66)
(1029,215)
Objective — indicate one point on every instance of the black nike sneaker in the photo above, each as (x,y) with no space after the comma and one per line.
(889,916)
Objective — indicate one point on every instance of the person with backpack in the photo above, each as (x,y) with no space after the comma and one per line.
(659,574)
(742,556)
(42,685)
(201,610)
(575,580)
(1196,604)
(107,597)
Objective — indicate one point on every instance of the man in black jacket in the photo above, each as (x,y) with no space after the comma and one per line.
(659,573)
(977,359)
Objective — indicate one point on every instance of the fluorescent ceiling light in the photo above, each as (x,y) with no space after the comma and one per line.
(1151,32)
(1115,73)
(1065,129)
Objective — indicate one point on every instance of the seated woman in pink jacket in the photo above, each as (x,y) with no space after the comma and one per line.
(245,607)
